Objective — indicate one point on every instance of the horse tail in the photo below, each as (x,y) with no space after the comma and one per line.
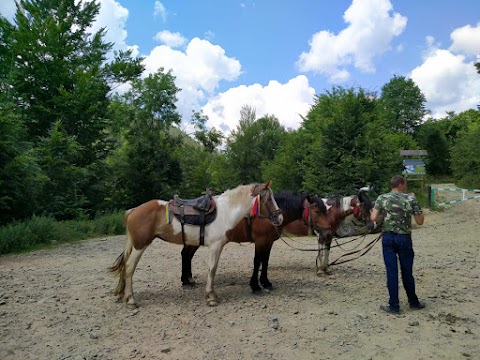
(118,267)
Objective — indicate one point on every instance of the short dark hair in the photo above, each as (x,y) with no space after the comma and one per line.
(397,180)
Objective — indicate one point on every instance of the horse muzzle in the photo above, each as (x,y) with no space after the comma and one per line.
(277,218)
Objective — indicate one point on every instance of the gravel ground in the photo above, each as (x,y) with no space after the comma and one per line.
(58,303)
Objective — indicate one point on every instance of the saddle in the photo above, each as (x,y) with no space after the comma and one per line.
(200,211)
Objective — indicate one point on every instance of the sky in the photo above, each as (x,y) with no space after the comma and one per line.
(275,56)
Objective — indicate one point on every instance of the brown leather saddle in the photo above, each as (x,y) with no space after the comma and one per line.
(200,212)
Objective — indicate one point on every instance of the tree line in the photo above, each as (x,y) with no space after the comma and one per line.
(71,147)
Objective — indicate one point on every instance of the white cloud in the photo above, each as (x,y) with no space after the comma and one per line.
(198,71)
(448,81)
(372,26)
(286,101)
(7,9)
(170,39)
(113,17)
(159,10)
(466,40)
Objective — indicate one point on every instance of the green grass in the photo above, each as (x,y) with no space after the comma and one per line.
(40,232)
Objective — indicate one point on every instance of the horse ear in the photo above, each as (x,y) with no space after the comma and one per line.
(267,184)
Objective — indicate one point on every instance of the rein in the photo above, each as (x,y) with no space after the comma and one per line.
(361,252)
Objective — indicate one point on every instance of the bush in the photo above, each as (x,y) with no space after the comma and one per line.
(41,231)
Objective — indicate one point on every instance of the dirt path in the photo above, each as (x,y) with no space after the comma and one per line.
(57,304)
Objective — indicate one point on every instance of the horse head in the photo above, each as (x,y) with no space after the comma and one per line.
(316,214)
(364,205)
(268,205)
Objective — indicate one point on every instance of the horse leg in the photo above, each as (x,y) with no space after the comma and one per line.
(256,266)
(188,252)
(130,266)
(264,275)
(215,251)
(324,243)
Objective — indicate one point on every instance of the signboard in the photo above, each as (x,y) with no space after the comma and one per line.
(413,167)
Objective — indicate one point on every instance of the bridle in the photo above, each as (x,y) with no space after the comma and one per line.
(265,199)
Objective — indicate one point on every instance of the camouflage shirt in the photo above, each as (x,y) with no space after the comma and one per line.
(397,210)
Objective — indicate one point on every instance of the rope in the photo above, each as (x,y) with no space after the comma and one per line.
(362,252)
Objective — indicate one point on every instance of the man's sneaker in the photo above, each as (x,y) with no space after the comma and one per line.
(389,309)
(418,306)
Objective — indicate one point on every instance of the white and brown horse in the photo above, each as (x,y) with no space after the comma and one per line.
(151,220)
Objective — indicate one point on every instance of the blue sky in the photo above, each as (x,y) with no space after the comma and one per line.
(276,55)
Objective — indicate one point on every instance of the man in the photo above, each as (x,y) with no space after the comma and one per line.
(396,208)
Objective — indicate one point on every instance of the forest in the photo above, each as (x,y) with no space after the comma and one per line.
(72,147)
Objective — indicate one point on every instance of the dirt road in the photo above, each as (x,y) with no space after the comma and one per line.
(58,303)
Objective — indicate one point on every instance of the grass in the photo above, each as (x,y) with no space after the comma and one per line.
(40,232)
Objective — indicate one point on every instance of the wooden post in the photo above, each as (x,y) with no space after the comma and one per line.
(430,197)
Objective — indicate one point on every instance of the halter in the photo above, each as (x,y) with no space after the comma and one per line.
(272,215)
(307,218)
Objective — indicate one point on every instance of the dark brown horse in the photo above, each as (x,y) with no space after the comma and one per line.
(312,212)
(152,219)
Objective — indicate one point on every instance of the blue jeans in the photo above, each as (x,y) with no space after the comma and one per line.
(398,245)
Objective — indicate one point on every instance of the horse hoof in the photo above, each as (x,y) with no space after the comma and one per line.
(212,302)
(132,306)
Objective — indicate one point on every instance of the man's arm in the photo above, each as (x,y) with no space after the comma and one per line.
(375,215)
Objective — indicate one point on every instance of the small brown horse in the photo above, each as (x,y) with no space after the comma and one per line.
(151,220)
(312,213)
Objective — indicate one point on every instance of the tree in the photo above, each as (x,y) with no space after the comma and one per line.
(431,137)
(287,169)
(59,71)
(209,138)
(145,166)
(62,195)
(60,76)
(252,143)
(465,160)
(21,179)
(347,145)
(402,105)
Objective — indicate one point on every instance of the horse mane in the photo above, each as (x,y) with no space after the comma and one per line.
(291,203)
(366,202)
(319,202)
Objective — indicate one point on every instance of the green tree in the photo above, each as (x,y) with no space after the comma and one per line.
(348,146)
(402,105)
(287,169)
(20,176)
(145,166)
(431,137)
(252,143)
(62,195)
(59,70)
(209,138)
(465,160)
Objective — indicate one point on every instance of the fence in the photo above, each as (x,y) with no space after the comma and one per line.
(432,190)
